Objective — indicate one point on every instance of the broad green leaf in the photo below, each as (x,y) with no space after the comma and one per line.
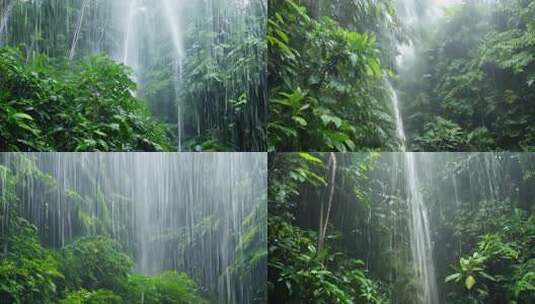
(22,116)
(452,277)
(310,157)
(327,119)
(470,282)
(300,120)
(374,65)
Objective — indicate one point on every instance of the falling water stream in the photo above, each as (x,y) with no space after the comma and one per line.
(421,245)
(420,239)
(156,39)
(411,15)
(189,212)
(78,28)
(4,18)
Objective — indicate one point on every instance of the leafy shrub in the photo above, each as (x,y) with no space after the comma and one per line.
(100,296)
(84,106)
(94,262)
(501,265)
(27,271)
(477,71)
(326,85)
(165,288)
(209,144)
(442,135)
(445,135)
(298,271)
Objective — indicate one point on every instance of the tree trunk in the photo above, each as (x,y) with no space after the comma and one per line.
(325,223)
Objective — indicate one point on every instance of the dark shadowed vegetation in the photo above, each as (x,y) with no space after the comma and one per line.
(342,229)
(471,86)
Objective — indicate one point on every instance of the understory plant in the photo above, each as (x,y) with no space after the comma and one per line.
(60,105)
(89,270)
(327,92)
(299,270)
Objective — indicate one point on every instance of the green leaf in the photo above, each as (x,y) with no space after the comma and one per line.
(310,157)
(22,116)
(488,276)
(452,277)
(350,144)
(300,120)
(100,133)
(327,119)
(28,128)
(374,66)
(470,282)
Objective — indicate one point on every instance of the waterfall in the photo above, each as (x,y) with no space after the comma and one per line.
(189,212)
(400,130)
(421,245)
(129,33)
(78,29)
(176,31)
(420,239)
(414,14)
(179,105)
(177,42)
(4,18)
(186,57)
(419,226)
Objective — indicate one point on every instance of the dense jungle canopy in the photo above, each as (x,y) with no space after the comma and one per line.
(147,228)
(139,75)
(344,228)
(449,75)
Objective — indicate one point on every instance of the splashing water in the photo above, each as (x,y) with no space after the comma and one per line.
(199,213)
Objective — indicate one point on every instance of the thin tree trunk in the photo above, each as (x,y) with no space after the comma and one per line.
(322,211)
(323,230)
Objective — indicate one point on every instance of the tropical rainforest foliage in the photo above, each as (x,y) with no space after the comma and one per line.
(205,92)
(306,263)
(92,270)
(464,73)
(472,85)
(84,106)
(61,242)
(326,76)
(339,227)
(225,78)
